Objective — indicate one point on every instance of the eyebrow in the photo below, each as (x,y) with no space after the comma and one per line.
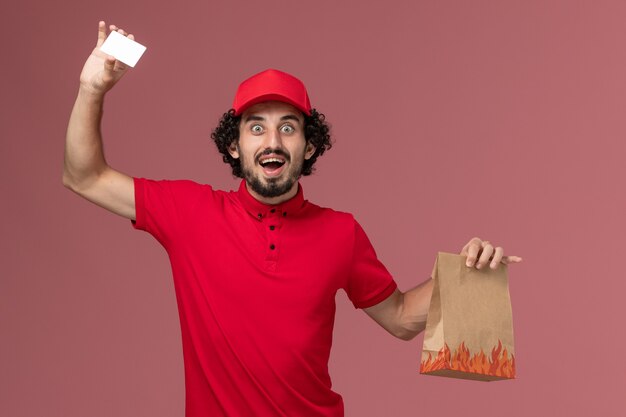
(259,118)
(252,117)
(290,117)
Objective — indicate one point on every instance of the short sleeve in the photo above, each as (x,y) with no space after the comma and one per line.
(162,205)
(369,282)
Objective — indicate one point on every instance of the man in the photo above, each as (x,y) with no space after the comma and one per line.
(255,271)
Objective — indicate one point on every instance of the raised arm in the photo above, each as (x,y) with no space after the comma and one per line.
(85,170)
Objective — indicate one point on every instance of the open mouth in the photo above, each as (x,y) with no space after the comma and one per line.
(272,165)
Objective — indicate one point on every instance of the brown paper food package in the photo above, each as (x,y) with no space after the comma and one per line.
(469,329)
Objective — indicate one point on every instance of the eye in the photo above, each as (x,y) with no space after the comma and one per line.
(256,128)
(287,129)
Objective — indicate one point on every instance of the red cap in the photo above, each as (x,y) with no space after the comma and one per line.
(271,85)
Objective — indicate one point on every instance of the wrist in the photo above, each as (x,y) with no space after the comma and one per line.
(91,94)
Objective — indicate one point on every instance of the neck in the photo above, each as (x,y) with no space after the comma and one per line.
(272,201)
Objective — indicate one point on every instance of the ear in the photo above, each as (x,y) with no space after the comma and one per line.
(309,150)
(233,150)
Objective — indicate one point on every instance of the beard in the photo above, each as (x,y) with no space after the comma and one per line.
(272,187)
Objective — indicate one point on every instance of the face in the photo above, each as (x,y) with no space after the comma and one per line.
(272,148)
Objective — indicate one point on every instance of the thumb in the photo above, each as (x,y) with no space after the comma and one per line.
(510,259)
(109,63)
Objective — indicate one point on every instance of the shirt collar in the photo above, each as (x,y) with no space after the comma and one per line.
(260,210)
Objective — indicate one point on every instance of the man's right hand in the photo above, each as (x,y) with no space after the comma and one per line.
(85,171)
(101,71)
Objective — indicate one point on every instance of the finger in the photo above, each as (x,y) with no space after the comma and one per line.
(121,31)
(109,63)
(485,254)
(497,257)
(472,252)
(112,28)
(511,259)
(465,249)
(131,37)
(102,32)
(120,66)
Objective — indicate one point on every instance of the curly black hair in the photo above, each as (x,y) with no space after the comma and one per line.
(316,132)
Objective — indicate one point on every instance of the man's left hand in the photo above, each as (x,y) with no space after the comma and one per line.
(480,252)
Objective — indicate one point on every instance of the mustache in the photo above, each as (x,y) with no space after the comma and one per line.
(278,152)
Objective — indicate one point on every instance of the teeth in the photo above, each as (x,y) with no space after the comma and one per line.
(265,161)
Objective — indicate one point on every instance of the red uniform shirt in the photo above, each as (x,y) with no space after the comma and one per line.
(255,286)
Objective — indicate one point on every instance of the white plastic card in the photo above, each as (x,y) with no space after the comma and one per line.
(123,49)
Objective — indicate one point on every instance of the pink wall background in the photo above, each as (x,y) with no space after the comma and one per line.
(503,120)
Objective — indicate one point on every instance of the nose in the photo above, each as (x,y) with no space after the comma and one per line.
(274,139)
